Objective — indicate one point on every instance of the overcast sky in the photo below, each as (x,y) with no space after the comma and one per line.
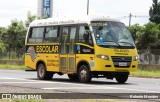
(120,9)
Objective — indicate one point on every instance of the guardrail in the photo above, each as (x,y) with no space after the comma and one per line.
(149,67)
(12,62)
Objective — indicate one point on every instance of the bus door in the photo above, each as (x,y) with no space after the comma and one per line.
(67,53)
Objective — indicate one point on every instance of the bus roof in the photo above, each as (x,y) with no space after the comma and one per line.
(70,20)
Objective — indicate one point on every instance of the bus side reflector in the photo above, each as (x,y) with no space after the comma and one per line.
(91,58)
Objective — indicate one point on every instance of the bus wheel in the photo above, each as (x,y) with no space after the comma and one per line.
(84,74)
(121,78)
(42,73)
(73,77)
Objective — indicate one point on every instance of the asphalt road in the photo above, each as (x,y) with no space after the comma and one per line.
(16,81)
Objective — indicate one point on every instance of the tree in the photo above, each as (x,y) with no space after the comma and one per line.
(2,49)
(30,18)
(148,36)
(20,43)
(43,17)
(149,39)
(13,36)
(1,30)
(154,12)
(136,31)
(9,36)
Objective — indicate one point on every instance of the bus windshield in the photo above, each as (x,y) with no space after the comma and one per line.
(112,34)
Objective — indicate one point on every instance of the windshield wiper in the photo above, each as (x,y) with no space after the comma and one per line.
(127,43)
(114,42)
(129,35)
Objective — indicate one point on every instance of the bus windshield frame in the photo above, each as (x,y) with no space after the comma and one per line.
(112,34)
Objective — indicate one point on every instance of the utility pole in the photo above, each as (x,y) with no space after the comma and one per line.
(87,7)
(130,16)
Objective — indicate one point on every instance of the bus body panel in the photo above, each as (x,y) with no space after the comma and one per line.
(29,63)
(108,65)
(44,53)
(120,59)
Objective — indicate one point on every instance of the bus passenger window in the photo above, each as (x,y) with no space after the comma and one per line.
(51,34)
(72,39)
(64,47)
(84,35)
(36,35)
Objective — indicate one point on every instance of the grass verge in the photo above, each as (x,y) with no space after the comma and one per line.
(146,73)
(22,100)
(17,67)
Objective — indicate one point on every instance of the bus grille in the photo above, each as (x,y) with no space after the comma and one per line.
(121,61)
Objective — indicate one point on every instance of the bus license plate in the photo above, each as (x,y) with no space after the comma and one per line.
(122,64)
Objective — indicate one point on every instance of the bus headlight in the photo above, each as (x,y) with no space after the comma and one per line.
(105,57)
(135,58)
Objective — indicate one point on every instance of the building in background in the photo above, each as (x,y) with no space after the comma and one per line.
(45,7)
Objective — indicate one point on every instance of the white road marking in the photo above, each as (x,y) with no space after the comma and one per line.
(8,78)
(63,88)
(145,78)
(33,82)
(99,87)
(86,86)
(148,91)
(40,81)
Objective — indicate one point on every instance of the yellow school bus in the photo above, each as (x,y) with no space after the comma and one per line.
(84,48)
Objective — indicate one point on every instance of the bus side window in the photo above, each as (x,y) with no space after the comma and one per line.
(64,40)
(84,35)
(51,34)
(36,35)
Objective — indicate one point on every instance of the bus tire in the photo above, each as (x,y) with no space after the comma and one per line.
(42,74)
(84,74)
(121,78)
(73,77)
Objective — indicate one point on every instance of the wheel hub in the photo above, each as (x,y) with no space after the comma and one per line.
(41,71)
(83,74)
